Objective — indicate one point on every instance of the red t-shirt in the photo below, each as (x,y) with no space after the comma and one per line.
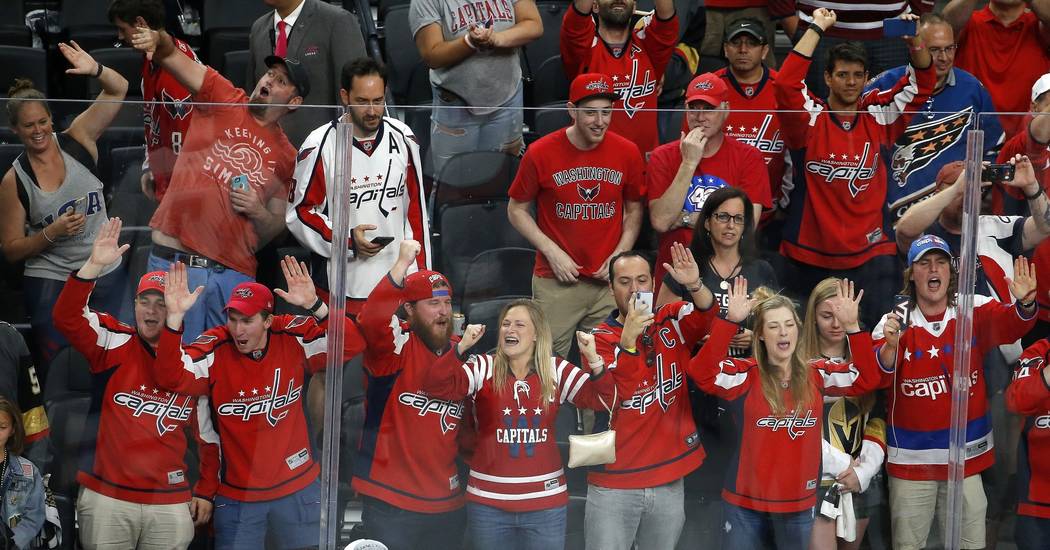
(224,142)
(1024,144)
(636,69)
(735,164)
(166,115)
(1006,59)
(585,219)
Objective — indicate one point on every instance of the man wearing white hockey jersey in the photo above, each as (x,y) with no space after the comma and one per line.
(387,204)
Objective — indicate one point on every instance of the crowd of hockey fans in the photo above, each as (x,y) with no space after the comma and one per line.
(690,280)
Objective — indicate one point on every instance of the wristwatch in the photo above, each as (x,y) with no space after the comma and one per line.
(687,219)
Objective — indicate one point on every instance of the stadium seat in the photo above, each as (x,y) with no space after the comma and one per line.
(460,235)
(225,27)
(552,117)
(551,83)
(497,273)
(409,76)
(546,46)
(13,30)
(8,153)
(86,22)
(235,68)
(127,201)
(127,62)
(22,62)
(386,5)
(486,313)
(474,175)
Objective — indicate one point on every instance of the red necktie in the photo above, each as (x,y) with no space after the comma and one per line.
(282,40)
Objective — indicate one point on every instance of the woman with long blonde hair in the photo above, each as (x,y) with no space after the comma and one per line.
(854,439)
(516,491)
(774,398)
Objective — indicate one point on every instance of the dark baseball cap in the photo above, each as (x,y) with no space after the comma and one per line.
(296,73)
(746,25)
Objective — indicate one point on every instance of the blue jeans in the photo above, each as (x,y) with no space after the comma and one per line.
(1031,533)
(401,529)
(294,521)
(653,517)
(109,296)
(747,529)
(208,312)
(455,129)
(494,529)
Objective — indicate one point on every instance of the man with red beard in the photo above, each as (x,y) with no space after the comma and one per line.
(406,466)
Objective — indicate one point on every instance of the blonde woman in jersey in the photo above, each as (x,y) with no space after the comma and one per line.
(854,445)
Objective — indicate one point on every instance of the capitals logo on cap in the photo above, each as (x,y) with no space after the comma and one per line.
(591,85)
(925,244)
(703,85)
(152,281)
(250,298)
(597,86)
(243,293)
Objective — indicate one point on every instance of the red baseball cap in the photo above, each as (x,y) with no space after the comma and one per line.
(250,298)
(420,286)
(152,281)
(591,85)
(708,88)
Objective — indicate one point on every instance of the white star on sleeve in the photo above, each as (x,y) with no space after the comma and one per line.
(907,354)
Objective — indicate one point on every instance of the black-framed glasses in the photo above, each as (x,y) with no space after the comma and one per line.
(725,217)
(947,50)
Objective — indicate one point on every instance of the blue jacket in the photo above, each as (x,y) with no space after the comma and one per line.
(23,500)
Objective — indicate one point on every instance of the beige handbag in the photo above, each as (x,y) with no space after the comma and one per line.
(594,449)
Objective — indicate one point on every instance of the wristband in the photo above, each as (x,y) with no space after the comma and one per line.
(631,350)
(1027,305)
(101,68)
(695,288)
(317,305)
(1033,196)
(466,38)
(816,28)
(44,233)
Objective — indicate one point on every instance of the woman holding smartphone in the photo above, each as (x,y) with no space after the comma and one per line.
(775,398)
(51,200)
(516,491)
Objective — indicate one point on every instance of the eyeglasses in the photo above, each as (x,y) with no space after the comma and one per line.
(725,217)
(947,50)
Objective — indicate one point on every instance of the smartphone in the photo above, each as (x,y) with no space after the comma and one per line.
(899,27)
(901,305)
(643,300)
(382,241)
(239,183)
(997,172)
(77,207)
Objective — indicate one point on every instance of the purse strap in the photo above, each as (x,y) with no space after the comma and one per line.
(607,407)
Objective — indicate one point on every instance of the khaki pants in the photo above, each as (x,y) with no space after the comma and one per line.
(913,505)
(571,307)
(719,18)
(111,524)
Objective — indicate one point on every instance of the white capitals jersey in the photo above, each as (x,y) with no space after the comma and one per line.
(385,191)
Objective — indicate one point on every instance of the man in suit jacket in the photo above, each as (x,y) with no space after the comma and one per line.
(319,35)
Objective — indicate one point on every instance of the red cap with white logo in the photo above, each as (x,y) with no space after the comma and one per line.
(589,86)
(152,281)
(421,286)
(707,88)
(250,298)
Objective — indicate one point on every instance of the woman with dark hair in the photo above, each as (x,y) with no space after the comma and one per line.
(51,200)
(724,248)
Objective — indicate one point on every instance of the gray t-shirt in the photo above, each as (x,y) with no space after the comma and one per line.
(486,78)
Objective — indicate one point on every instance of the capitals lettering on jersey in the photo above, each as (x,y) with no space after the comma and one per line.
(921,143)
(668,381)
(841,167)
(758,138)
(701,187)
(153,404)
(239,152)
(588,180)
(631,87)
(448,412)
(796,426)
(374,189)
(489,11)
(267,404)
(521,432)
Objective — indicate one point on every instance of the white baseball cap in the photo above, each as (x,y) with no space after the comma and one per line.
(1041,86)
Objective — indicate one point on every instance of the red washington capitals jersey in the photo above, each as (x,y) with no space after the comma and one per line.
(752,121)
(776,466)
(257,400)
(516,465)
(636,70)
(657,439)
(1023,144)
(1029,395)
(140,439)
(840,174)
(918,407)
(409,445)
(166,114)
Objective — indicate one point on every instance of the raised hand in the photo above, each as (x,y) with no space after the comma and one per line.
(891,331)
(739,306)
(107,249)
(145,40)
(845,305)
(683,268)
(408,251)
(1022,285)
(471,335)
(81,61)
(301,291)
(1024,175)
(824,18)
(588,351)
(177,297)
